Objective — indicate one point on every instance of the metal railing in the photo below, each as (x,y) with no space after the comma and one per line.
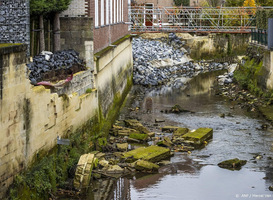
(259,36)
(193,19)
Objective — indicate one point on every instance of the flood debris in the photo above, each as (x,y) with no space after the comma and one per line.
(199,136)
(232,164)
(84,170)
(134,124)
(177,109)
(151,154)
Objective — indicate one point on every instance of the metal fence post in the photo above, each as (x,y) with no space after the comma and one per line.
(270,33)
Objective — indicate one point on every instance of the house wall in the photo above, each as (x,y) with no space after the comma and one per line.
(164,3)
(106,34)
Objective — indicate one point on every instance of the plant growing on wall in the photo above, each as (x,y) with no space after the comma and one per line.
(182,2)
(234,3)
(249,3)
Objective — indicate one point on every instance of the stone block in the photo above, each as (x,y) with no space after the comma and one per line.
(145,166)
(198,136)
(151,154)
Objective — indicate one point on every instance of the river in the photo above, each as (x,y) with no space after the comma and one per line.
(195,175)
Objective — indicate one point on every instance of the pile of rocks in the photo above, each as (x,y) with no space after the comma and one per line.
(156,63)
(227,77)
(47,61)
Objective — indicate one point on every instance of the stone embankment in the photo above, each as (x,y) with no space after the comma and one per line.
(157,63)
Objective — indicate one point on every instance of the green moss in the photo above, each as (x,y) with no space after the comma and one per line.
(9,44)
(232,164)
(151,154)
(142,165)
(199,136)
(180,131)
(105,50)
(139,136)
(50,172)
(267,112)
(88,90)
(249,75)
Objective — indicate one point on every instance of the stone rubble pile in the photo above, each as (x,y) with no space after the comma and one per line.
(227,77)
(156,63)
(47,61)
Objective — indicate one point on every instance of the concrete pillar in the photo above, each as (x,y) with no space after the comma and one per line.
(270,33)
(89,54)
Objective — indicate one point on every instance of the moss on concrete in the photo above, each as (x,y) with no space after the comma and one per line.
(180,132)
(9,44)
(267,112)
(145,166)
(199,136)
(169,128)
(151,154)
(139,136)
(232,164)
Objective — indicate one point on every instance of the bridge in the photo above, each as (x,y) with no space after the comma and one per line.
(193,19)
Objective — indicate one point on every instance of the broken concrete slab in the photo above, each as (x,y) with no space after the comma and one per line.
(84,170)
(177,109)
(232,164)
(166,142)
(199,136)
(134,124)
(114,169)
(122,146)
(170,129)
(146,166)
(139,136)
(180,132)
(121,131)
(151,154)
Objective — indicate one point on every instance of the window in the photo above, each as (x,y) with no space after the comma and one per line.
(117,11)
(115,17)
(111,11)
(96,13)
(122,8)
(102,13)
(107,12)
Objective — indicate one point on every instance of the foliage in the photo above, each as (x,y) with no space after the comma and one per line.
(249,3)
(262,16)
(234,3)
(182,2)
(43,7)
(39,7)
(214,3)
(265,2)
(248,76)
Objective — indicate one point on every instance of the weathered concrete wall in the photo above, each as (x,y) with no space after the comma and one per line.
(215,45)
(75,32)
(31,117)
(112,71)
(268,69)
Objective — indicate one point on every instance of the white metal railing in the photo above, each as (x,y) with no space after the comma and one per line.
(190,19)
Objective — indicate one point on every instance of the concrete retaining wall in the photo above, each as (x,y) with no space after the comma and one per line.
(31,117)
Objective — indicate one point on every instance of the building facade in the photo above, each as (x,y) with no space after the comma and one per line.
(109,19)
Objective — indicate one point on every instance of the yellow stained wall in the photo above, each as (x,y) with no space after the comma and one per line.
(31,117)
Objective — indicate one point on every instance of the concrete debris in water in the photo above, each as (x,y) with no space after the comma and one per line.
(47,62)
(156,62)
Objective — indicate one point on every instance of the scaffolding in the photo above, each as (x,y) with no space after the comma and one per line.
(193,19)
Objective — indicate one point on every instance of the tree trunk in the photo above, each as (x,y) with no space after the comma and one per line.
(56,28)
(42,33)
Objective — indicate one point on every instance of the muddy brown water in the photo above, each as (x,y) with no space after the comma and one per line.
(196,176)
